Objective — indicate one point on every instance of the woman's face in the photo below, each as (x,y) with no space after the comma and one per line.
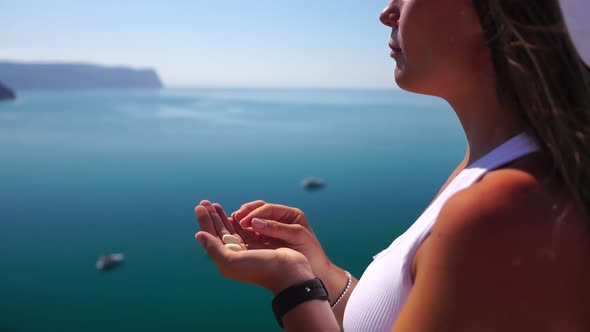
(438,45)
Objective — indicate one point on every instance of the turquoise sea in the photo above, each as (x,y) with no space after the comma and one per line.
(92,172)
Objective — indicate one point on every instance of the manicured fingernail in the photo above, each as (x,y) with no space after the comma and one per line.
(259,223)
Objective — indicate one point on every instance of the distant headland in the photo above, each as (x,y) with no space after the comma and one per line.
(76,76)
(6,93)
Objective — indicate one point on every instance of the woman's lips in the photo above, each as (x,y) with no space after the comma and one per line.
(395,50)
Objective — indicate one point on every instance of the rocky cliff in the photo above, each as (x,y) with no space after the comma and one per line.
(6,93)
(76,76)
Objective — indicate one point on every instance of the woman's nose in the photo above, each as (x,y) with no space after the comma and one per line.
(390,15)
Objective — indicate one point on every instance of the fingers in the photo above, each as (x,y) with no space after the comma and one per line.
(252,239)
(274,225)
(218,224)
(247,208)
(247,235)
(282,213)
(290,233)
(226,221)
(205,222)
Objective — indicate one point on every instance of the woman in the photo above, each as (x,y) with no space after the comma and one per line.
(505,245)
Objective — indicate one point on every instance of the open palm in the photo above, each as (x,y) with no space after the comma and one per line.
(265,262)
(222,224)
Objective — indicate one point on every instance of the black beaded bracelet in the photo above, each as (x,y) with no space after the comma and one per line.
(293,296)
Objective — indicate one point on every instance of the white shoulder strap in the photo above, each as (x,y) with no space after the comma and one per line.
(511,150)
(575,13)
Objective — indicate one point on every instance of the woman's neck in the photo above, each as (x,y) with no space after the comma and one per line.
(486,123)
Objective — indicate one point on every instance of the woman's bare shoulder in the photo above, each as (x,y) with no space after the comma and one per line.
(504,197)
(504,245)
(515,204)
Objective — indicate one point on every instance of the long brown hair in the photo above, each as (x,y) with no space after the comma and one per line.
(540,75)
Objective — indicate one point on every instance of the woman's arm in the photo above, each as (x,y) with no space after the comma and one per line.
(275,269)
(289,225)
(311,316)
(493,263)
(302,239)
(336,280)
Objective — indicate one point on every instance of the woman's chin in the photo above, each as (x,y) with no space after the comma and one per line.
(400,78)
(408,82)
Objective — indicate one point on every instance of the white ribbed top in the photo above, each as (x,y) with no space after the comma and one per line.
(381,292)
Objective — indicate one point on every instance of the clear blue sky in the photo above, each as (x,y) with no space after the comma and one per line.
(326,43)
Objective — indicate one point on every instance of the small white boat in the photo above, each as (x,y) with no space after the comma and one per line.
(109,261)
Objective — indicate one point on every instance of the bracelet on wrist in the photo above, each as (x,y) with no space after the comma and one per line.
(348,283)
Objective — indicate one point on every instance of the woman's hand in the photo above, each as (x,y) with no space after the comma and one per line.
(284,226)
(281,230)
(272,267)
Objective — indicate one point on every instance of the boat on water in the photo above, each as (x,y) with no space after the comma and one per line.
(109,261)
(312,183)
